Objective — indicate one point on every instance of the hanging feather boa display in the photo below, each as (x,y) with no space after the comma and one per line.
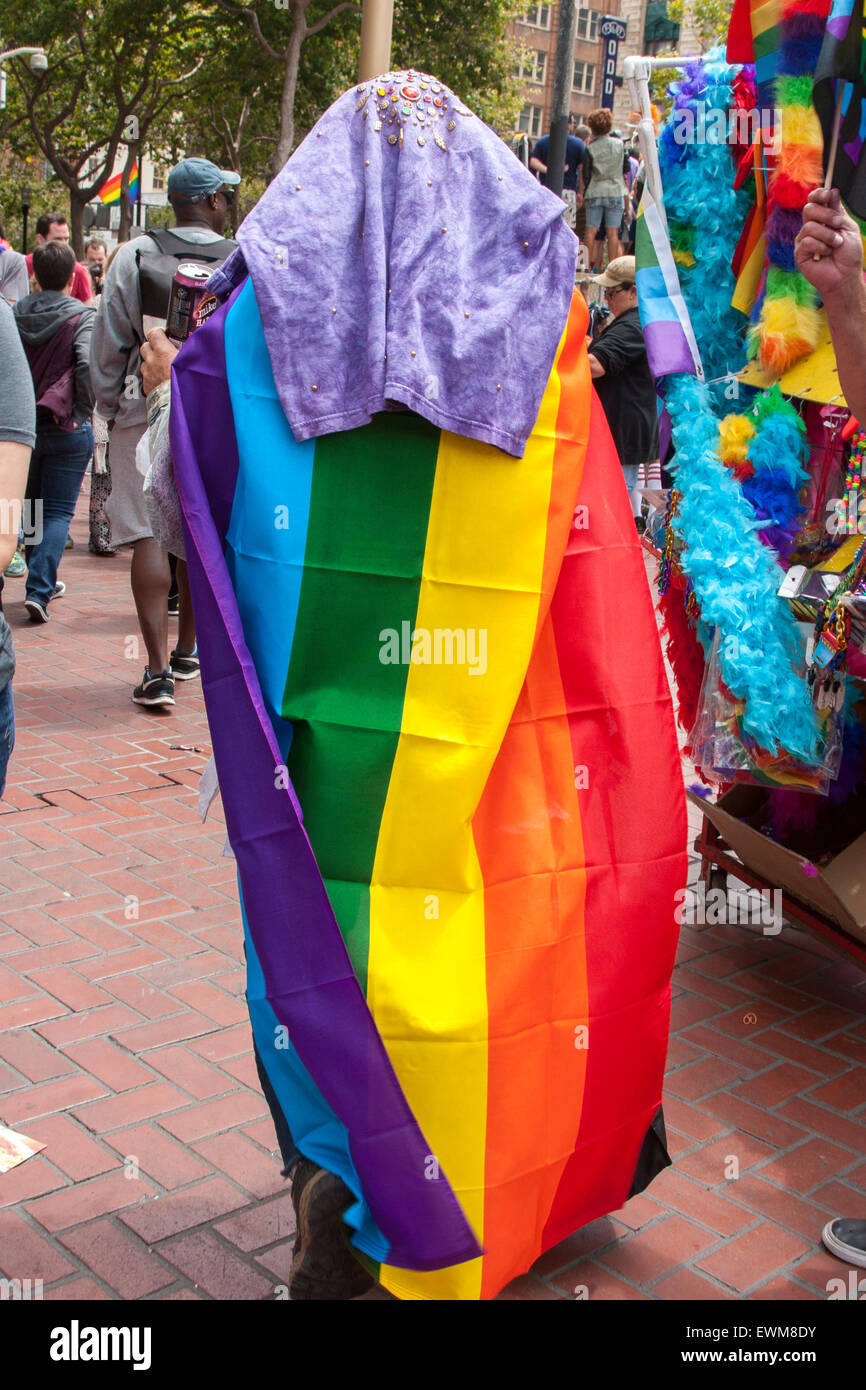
(776,455)
(703,208)
(786,311)
(735,578)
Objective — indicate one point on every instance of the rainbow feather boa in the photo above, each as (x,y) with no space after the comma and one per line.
(786,310)
(766,450)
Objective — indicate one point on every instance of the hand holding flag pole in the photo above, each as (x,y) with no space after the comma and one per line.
(834,145)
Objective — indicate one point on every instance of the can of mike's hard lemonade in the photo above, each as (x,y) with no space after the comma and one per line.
(187,293)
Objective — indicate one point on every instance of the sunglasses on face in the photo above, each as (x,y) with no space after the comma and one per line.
(617,289)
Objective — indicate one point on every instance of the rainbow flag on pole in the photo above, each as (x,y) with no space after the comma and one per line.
(670,339)
(110,190)
(442,751)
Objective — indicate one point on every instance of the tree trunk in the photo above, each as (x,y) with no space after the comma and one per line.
(286,138)
(77,202)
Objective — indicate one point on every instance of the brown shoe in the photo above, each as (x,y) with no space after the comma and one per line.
(323,1267)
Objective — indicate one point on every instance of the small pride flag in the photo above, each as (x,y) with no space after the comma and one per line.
(670,340)
(110,190)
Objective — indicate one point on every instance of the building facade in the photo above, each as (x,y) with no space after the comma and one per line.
(648,31)
(535,30)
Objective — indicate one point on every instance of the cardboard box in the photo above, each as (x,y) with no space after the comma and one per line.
(838,891)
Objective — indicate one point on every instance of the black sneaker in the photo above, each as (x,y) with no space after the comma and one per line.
(323,1267)
(846,1238)
(38,612)
(154,690)
(185,667)
(59,589)
(173,605)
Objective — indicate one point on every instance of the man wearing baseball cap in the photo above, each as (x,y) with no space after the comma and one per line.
(620,372)
(135,299)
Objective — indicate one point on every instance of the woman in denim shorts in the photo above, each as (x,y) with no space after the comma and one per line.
(606,195)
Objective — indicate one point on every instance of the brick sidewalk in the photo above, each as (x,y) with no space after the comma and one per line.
(125,1045)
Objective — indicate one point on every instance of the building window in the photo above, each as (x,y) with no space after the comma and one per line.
(538,16)
(530,121)
(587,24)
(158,179)
(534,67)
(584,78)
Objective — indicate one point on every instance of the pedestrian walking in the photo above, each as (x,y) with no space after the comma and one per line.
(572,179)
(17,436)
(14,275)
(53,226)
(620,370)
(55,329)
(606,197)
(134,299)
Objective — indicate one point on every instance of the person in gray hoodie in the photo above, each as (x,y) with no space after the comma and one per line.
(55,330)
(17,435)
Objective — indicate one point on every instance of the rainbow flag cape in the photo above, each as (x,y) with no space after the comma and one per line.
(110,190)
(451,781)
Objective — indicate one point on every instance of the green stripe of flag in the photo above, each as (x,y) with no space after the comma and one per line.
(369,511)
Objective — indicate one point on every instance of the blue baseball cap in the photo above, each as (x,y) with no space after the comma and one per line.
(194,179)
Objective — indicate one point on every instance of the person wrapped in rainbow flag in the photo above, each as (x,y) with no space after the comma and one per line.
(439,713)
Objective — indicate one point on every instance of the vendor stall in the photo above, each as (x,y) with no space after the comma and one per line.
(762,543)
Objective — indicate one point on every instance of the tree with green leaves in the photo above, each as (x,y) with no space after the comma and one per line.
(708,19)
(467,45)
(281,28)
(113,67)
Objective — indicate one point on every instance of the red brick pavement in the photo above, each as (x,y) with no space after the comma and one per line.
(124,1046)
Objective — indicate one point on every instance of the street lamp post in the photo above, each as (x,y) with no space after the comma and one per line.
(377,19)
(37,63)
(563,79)
(26,200)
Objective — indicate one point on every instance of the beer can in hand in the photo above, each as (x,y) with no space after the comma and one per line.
(187,293)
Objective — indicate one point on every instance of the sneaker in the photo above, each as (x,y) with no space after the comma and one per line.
(185,667)
(323,1267)
(38,612)
(17,567)
(59,589)
(173,605)
(846,1239)
(154,690)
(70,543)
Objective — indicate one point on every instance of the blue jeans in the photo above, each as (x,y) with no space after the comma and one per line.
(57,466)
(7,732)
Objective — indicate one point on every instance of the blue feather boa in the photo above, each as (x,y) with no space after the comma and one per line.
(697,179)
(735,579)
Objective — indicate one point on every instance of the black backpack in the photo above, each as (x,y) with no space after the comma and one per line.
(156,269)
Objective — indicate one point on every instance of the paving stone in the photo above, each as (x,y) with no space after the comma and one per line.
(118,1258)
(213,1268)
(180,1211)
(26,1254)
(86,1200)
(261,1225)
(753,1257)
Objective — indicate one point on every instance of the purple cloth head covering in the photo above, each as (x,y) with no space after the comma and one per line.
(404,254)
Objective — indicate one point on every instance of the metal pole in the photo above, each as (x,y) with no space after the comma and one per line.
(637,71)
(563,79)
(377,19)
